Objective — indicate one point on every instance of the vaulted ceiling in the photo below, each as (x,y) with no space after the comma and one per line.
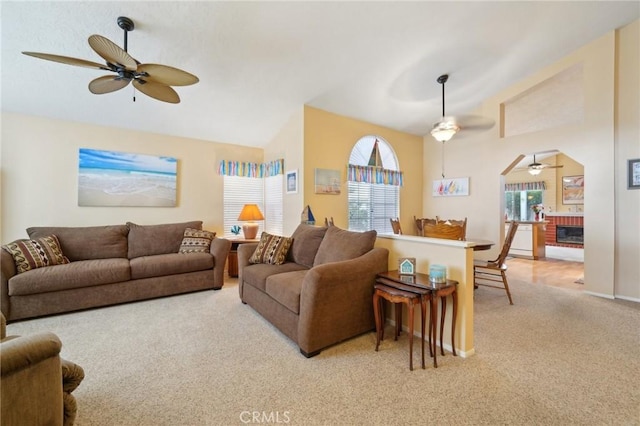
(259,62)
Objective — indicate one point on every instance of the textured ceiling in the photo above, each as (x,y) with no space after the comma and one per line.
(259,62)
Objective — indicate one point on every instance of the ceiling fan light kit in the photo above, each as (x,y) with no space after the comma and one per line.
(153,80)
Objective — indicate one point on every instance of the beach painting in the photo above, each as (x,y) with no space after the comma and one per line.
(121,179)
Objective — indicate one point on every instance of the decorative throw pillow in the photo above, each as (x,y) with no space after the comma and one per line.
(36,253)
(196,241)
(271,249)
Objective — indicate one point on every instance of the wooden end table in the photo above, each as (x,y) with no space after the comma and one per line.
(420,284)
(232,259)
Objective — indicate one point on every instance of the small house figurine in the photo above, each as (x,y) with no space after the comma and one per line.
(407,265)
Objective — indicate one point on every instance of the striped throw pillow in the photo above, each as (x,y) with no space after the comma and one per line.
(36,253)
(272,249)
(196,241)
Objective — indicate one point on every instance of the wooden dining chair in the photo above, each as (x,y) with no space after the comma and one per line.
(395,225)
(495,270)
(461,223)
(443,230)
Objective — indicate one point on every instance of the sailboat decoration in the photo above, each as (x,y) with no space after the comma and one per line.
(375,160)
(307,216)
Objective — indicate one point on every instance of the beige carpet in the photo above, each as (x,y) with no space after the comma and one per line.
(556,357)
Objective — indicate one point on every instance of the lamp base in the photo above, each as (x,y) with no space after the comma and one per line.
(250,230)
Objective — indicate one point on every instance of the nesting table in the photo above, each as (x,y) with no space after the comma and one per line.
(411,290)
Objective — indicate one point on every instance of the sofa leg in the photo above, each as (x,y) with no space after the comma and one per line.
(310,354)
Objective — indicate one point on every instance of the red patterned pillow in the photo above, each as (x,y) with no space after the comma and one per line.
(36,253)
(271,249)
(196,241)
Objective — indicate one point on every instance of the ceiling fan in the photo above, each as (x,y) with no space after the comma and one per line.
(448,126)
(536,168)
(153,80)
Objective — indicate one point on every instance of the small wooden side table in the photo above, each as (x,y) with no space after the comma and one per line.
(420,284)
(398,297)
(232,259)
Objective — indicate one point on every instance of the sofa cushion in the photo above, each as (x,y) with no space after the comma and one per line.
(271,249)
(87,242)
(340,244)
(286,288)
(148,240)
(36,253)
(196,241)
(306,240)
(169,264)
(83,273)
(256,275)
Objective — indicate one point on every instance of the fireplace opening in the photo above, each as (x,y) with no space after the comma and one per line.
(569,234)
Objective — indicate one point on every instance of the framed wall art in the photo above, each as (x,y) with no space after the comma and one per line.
(121,179)
(327,181)
(573,189)
(450,187)
(292,181)
(633,174)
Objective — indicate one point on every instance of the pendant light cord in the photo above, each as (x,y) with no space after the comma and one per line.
(442,160)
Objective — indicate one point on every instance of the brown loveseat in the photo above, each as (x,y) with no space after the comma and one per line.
(36,382)
(109,265)
(323,293)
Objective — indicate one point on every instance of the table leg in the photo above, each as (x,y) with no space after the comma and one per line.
(410,307)
(376,313)
(398,308)
(454,297)
(443,302)
(434,316)
(423,309)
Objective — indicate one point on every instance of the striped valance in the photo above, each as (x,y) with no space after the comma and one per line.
(369,174)
(525,186)
(247,169)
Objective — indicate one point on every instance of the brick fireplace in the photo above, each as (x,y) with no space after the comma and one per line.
(572,227)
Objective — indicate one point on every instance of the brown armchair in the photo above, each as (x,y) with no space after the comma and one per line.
(36,383)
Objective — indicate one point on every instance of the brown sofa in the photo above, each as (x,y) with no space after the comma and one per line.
(36,382)
(109,265)
(323,293)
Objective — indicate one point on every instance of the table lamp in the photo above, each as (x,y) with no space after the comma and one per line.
(250,213)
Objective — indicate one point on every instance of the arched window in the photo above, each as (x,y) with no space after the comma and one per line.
(374,185)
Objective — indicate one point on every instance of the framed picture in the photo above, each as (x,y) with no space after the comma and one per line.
(327,181)
(407,265)
(634,174)
(450,187)
(573,189)
(122,179)
(292,181)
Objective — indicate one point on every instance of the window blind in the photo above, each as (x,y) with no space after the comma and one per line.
(274,212)
(239,191)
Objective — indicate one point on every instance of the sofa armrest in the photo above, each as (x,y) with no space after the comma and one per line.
(220,248)
(336,301)
(244,254)
(31,382)
(7,270)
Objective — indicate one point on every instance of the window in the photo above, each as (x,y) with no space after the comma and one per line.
(518,204)
(239,191)
(371,205)
(274,212)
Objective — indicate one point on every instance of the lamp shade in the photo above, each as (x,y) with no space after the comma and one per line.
(534,171)
(250,212)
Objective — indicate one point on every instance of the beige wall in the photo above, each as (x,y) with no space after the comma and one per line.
(485,157)
(627,146)
(328,141)
(289,144)
(40,175)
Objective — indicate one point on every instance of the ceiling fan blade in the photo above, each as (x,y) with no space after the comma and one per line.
(112,53)
(68,60)
(166,75)
(107,84)
(472,122)
(157,91)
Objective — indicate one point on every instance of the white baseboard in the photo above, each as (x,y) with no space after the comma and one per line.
(631,299)
(605,296)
